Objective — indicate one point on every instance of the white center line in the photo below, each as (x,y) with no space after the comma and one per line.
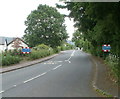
(35,77)
(56,67)
(14,85)
(70,57)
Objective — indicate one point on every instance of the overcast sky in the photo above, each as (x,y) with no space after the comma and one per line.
(14,13)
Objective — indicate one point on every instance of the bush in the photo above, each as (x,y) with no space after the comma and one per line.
(113,62)
(42,47)
(62,48)
(40,51)
(9,59)
(15,56)
(57,50)
(51,51)
(39,54)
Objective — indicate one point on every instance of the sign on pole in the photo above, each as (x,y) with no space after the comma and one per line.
(106,48)
(26,50)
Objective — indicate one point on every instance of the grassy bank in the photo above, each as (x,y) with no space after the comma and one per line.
(113,62)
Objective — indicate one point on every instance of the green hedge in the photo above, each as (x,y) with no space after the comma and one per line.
(9,59)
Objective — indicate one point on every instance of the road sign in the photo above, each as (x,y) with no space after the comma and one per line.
(106,48)
(26,50)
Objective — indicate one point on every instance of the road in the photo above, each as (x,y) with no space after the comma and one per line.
(66,75)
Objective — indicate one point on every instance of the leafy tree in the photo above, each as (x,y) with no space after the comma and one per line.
(45,26)
(100,24)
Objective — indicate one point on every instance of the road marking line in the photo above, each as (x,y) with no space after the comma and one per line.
(69,61)
(2,91)
(70,57)
(35,77)
(73,53)
(59,61)
(14,85)
(56,67)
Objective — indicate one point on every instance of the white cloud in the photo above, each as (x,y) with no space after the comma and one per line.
(14,13)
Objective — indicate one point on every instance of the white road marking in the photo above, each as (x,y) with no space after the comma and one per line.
(69,61)
(56,67)
(14,85)
(59,61)
(35,77)
(2,91)
(70,57)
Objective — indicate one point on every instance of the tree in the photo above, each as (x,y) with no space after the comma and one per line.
(45,25)
(100,24)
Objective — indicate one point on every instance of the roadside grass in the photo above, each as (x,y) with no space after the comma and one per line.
(104,93)
(113,62)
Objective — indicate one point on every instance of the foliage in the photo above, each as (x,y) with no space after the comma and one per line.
(99,24)
(39,54)
(45,25)
(69,46)
(113,62)
(9,59)
(42,46)
(15,56)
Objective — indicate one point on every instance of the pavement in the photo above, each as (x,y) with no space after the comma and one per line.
(69,74)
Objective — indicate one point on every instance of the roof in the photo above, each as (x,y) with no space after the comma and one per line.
(9,40)
(15,39)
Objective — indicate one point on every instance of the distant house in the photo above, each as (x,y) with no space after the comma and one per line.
(10,43)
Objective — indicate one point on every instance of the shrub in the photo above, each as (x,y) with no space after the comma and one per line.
(38,54)
(113,62)
(51,51)
(57,50)
(9,59)
(62,47)
(42,47)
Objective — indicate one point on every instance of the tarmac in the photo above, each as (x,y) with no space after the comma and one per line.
(101,80)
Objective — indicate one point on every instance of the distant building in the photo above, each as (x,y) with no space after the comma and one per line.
(10,43)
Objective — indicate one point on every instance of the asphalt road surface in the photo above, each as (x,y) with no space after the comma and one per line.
(66,75)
